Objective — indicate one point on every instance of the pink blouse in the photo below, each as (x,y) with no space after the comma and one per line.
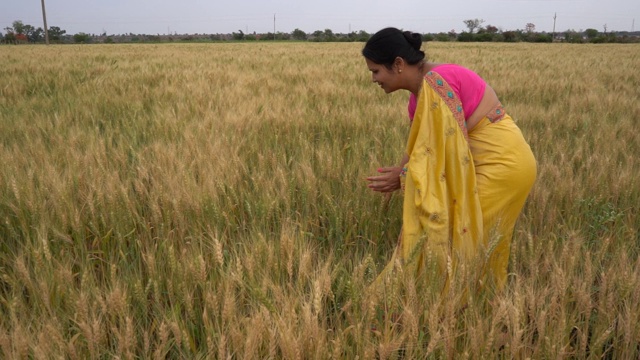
(468,86)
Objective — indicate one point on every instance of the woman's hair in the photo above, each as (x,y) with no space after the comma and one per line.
(387,44)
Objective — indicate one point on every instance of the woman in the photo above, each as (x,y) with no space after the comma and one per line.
(467,170)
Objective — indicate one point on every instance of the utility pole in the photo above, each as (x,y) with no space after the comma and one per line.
(605,29)
(274,26)
(554,26)
(46,30)
(633,25)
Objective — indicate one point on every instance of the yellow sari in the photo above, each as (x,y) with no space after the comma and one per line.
(463,191)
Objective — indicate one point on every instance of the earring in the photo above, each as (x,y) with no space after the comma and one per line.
(399,70)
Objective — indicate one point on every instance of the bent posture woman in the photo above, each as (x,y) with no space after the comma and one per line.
(467,170)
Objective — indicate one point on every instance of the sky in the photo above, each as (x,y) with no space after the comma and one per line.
(341,16)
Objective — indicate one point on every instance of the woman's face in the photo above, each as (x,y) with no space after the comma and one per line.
(381,75)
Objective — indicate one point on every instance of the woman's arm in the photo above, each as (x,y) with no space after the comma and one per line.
(389,181)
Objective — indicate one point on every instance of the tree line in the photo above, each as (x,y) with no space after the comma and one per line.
(20,32)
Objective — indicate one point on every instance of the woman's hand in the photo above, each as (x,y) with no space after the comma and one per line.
(388,182)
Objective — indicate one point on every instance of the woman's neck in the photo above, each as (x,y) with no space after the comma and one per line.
(418,77)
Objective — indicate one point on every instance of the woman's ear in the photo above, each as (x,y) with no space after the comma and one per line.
(399,64)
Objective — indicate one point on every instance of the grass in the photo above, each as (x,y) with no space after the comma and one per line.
(208,200)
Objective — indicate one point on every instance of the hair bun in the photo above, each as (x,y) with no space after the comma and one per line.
(414,39)
(390,43)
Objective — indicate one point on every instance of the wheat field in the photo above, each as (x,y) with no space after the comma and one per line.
(208,201)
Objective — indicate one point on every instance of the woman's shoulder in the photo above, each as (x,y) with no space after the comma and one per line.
(449,67)
(455,71)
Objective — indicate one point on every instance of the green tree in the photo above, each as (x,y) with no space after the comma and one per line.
(427,37)
(591,33)
(443,37)
(298,34)
(283,36)
(56,34)
(328,35)
(26,29)
(530,28)
(81,38)
(491,29)
(572,36)
(473,24)
(34,34)
(612,37)
(10,38)
(18,27)
(362,36)
(318,35)
(510,36)
(465,37)
(541,38)
(238,36)
(486,34)
(483,37)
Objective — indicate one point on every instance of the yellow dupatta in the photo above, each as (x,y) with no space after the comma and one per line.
(442,217)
